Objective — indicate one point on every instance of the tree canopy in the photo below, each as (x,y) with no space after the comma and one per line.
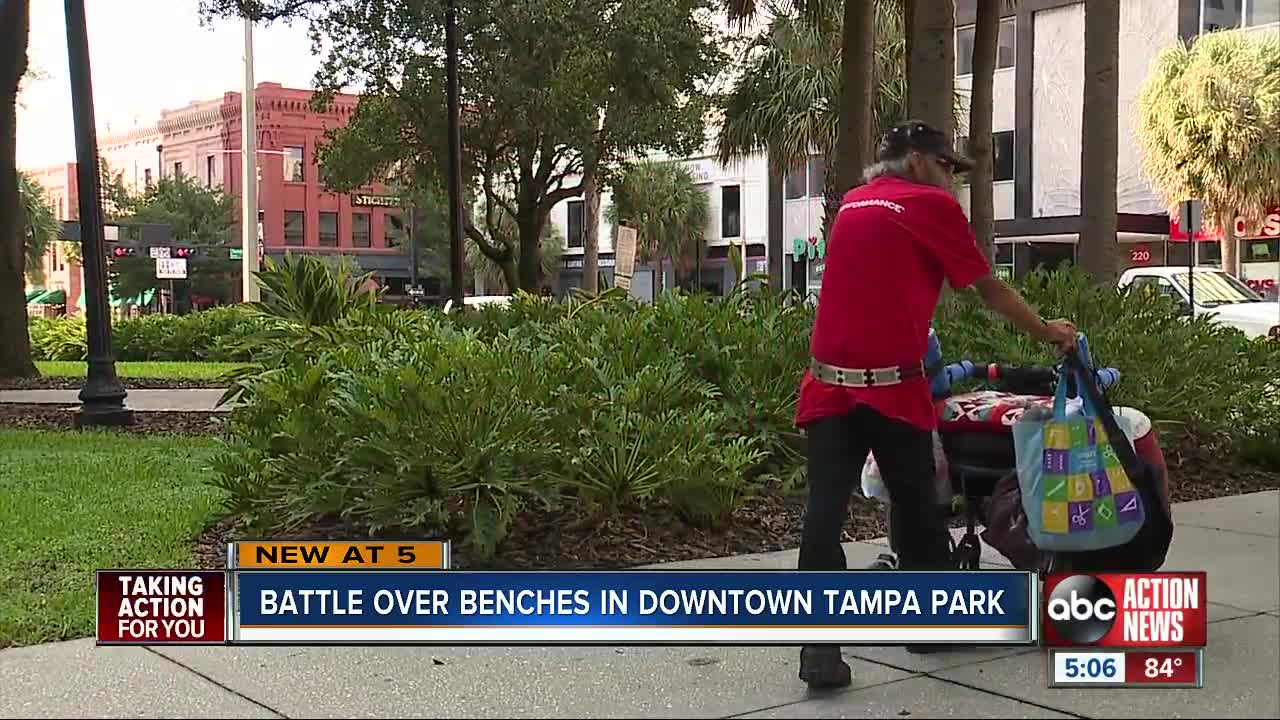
(660,199)
(201,219)
(550,90)
(1208,125)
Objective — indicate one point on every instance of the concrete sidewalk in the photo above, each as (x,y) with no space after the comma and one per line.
(1236,540)
(142,400)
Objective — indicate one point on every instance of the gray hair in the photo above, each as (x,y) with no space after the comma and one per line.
(898,167)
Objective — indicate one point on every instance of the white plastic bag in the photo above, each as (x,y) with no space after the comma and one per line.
(873,485)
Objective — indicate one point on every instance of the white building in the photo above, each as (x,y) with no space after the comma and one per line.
(1036,123)
(738,204)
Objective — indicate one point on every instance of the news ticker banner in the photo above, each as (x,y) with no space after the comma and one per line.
(1126,668)
(403,593)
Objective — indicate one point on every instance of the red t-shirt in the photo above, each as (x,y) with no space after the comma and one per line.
(891,246)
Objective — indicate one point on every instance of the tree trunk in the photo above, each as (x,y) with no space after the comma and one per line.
(857,61)
(1230,245)
(590,234)
(529,263)
(15,343)
(1099,142)
(931,62)
(982,213)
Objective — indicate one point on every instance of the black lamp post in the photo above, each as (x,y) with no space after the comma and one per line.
(455,152)
(102,397)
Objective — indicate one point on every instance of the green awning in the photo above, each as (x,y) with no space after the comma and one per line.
(143,299)
(49,297)
(35,293)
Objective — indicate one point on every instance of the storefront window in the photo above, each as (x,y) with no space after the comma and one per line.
(1260,267)
(1050,256)
(1003,265)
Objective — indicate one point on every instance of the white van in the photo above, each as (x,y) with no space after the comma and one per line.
(1217,295)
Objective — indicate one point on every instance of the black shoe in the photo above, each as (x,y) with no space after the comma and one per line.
(926,649)
(823,668)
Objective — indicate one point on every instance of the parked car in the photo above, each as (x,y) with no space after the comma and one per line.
(475,301)
(1217,295)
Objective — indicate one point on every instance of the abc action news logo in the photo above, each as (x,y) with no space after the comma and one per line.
(1125,610)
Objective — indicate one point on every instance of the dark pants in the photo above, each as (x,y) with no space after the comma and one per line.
(838,448)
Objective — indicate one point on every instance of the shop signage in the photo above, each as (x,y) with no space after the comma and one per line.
(1140,254)
(701,172)
(813,248)
(624,250)
(576,263)
(1270,228)
(375,201)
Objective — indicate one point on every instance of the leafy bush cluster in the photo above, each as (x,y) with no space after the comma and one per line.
(417,423)
(1195,377)
(210,335)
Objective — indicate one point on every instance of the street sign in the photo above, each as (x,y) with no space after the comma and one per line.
(171,268)
(417,291)
(624,253)
(1189,216)
(236,253)
(159,252)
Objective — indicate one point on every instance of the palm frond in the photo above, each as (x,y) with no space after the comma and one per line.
(1207,123)
(40,225)
(786,98)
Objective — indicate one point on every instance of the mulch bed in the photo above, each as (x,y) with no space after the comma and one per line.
(71,383)
(559,539)
(48,416)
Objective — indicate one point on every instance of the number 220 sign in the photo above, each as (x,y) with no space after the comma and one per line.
(1140,254)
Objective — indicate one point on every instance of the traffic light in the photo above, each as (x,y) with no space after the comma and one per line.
(183,252)
(122,251)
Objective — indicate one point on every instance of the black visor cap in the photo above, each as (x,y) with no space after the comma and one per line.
(918,136)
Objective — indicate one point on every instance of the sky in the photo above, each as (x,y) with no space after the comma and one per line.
(146,56)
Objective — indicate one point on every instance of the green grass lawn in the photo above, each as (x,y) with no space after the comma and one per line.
(71,504)
(156,370)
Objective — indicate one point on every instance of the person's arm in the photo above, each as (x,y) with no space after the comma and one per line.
(965,266)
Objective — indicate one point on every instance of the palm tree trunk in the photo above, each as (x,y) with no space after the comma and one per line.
(590,234)
(931,61)
(857,62)
(1230,246)
(986,37)
(1099,141)
(15,344)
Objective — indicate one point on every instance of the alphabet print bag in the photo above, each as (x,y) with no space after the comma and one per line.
(1075,491)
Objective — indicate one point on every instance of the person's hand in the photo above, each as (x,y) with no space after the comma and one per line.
(1061,334)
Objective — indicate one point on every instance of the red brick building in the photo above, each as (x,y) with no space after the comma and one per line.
(298,214)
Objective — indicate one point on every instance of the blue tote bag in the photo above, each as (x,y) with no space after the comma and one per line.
(1076,492)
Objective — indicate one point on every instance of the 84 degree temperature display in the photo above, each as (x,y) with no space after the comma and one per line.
(1181,669)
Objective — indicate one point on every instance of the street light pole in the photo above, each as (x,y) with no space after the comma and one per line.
(249,174)
(102,397)
(455,153)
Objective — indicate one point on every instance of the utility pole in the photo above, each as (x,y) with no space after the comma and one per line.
(102,397)
(249,174)
(455,153)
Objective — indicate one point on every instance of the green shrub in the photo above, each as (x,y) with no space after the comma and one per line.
(1194,377)
(421,423)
